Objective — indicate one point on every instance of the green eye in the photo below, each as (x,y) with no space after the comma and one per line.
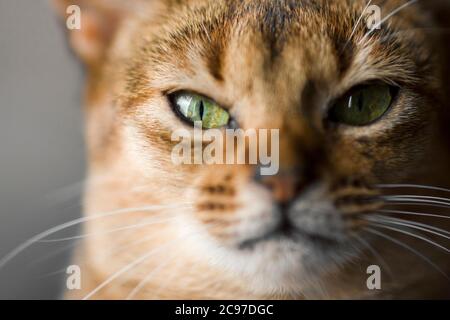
(194,108)
(362,105)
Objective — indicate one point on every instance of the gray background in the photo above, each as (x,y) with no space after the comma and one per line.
(41,145)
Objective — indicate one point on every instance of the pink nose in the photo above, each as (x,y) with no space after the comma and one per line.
(284,187)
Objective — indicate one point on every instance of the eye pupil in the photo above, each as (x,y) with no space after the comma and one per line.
(360,103)
(201,109)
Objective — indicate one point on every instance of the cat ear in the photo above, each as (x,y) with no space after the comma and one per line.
(92,24)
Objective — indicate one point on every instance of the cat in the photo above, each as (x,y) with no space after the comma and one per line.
(363,144)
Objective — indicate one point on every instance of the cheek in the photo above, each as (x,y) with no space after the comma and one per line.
(390,157)
(348,158)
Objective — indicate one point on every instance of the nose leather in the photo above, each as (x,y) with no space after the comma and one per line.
(284,186)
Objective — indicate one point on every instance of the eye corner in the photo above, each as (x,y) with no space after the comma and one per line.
(171,98)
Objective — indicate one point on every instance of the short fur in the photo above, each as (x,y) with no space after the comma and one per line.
(273,64)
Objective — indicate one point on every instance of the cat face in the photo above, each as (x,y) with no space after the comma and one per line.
(293,66)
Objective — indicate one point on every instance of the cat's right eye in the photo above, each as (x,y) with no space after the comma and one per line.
(363,105)
(193,107)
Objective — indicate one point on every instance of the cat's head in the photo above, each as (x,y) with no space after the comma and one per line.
(355,108)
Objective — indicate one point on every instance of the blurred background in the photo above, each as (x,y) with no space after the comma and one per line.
(41,146)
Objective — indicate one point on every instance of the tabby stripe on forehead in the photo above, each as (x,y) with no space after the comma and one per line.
(215,61)
(275,20)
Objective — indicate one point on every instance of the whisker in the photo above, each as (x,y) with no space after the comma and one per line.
(415,214)
(375,254)
(416,201)
(116,251)
(418,226)
(405,246)
(391,14)
(133,226)
(419,197)
(357,24)
(428,226)
(8,257)
(417,186)
(393,203)
(120,249)
(384,226)
(151,275)
(130,266)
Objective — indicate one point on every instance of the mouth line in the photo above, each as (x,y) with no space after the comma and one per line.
(287,232)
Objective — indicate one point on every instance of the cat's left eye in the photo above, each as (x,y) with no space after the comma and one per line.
(193,107)
(363,105)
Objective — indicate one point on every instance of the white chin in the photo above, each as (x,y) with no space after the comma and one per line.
(277,266)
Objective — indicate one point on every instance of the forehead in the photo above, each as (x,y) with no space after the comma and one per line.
(277,21)
(267,26)
(277,45)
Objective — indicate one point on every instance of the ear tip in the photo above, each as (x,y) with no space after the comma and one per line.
(94,25)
